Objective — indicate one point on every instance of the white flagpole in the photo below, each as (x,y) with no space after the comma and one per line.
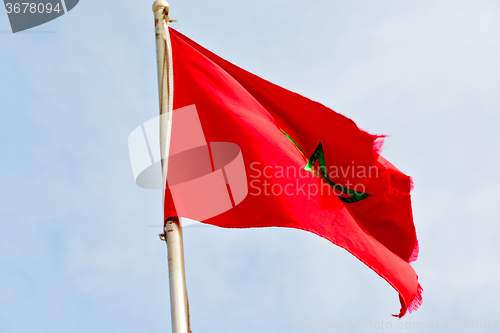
(172,232)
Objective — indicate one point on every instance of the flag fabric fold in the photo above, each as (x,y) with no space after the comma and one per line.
(304,165)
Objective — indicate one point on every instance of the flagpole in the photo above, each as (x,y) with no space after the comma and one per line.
(172,232)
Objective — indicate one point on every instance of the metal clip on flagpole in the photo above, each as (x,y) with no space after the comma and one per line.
(172,231)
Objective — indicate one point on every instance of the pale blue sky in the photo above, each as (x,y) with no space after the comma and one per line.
(78,252)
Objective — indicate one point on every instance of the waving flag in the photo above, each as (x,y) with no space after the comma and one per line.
(246,153)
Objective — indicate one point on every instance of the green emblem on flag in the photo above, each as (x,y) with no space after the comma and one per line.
(322,173)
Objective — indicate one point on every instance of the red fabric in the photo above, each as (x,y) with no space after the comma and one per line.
(239,107)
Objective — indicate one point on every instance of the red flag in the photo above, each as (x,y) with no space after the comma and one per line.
(247,153)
